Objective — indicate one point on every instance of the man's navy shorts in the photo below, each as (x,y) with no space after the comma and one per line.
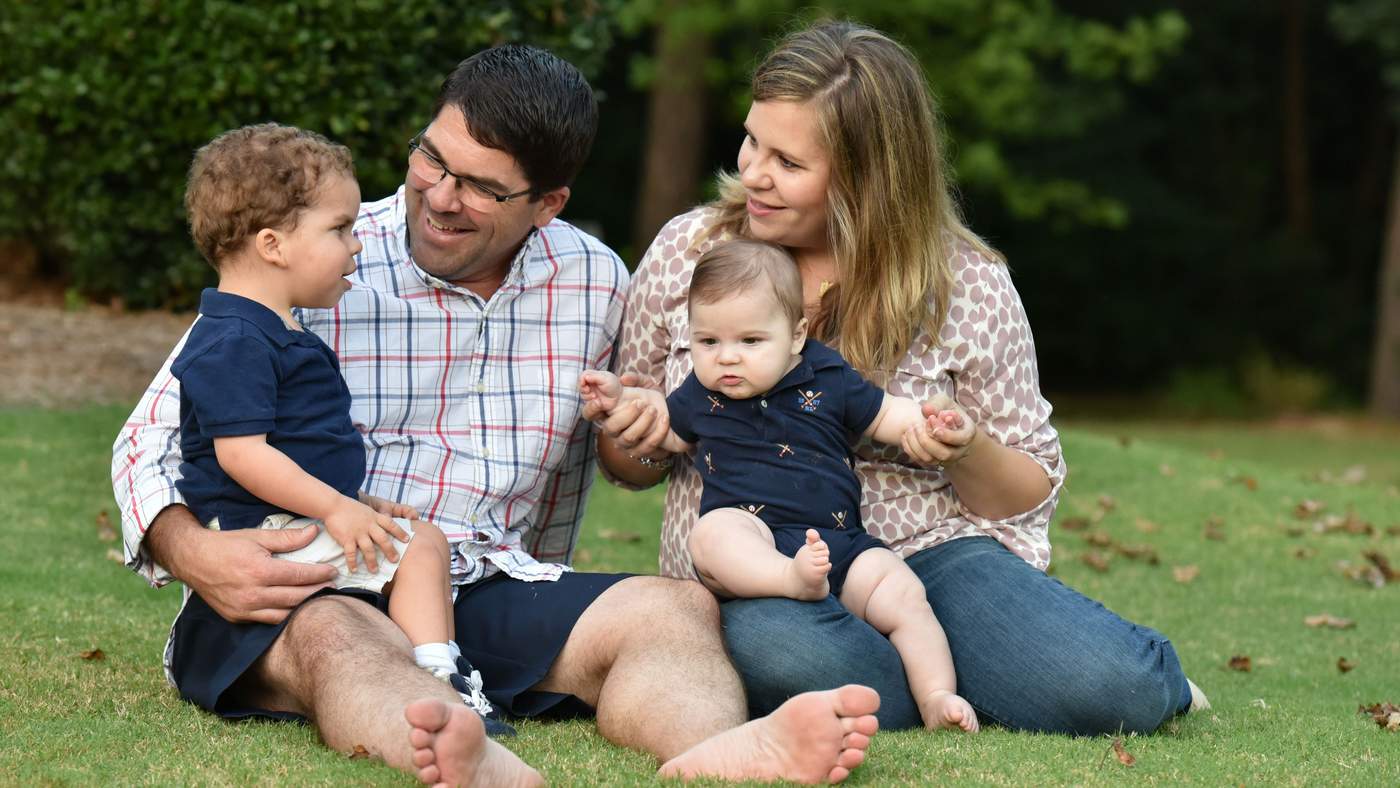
(510,630)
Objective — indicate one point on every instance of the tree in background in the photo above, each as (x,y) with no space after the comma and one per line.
(103,104)
(1007,72)
(1377,22)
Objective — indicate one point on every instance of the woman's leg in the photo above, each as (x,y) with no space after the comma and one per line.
(782,648)
(1034,654)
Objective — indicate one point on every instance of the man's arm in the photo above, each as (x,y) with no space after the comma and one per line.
(234,571)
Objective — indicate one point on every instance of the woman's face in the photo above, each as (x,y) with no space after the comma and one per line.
(785,170)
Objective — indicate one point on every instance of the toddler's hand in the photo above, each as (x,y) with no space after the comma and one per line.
(358,528)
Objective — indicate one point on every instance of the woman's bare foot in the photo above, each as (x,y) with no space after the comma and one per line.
(807,571)
(450,748)
(816,737)
(942,709)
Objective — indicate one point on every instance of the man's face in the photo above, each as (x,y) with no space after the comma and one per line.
(468,241)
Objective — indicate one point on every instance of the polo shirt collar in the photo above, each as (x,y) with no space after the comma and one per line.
(213,303)
(815,356)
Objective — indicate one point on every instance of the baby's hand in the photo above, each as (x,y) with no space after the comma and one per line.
(944,438)
(601,391)
(359,528)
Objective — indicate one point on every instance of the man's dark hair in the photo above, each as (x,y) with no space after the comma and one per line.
(529,103)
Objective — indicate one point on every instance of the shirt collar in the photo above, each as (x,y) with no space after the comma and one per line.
(213,303)
(815,356)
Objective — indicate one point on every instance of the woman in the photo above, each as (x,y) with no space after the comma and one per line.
(841,164)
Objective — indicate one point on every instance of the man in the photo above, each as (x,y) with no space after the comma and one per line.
(473,312)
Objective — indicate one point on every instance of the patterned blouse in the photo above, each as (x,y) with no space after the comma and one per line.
(985,360)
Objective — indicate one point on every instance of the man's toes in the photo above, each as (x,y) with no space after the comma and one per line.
(850,759)
(428,714)
(855,700)
(857,741)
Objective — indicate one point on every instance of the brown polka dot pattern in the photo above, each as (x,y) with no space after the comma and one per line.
(986,361)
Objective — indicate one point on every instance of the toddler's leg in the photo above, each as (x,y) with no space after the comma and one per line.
(420,596)
(734,555)
(885,592)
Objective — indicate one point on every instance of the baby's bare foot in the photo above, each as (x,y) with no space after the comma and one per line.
(942,709)
(450,748)
(816,737)
(807,571)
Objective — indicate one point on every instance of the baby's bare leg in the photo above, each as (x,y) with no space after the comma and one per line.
(887,594)
(734,556)
(420,597)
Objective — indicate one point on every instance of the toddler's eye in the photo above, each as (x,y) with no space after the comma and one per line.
(751,340)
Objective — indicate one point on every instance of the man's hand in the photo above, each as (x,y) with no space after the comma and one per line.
(235,571)
(359,528)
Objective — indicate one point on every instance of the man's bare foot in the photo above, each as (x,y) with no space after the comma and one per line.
(816,737)
(450,748)
(943,709)
(807,571)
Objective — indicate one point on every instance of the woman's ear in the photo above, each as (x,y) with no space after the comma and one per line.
(267,243)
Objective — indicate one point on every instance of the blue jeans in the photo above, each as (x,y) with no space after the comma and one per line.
(1031,653)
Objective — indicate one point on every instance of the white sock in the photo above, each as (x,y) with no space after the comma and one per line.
(455,649)
(434,656)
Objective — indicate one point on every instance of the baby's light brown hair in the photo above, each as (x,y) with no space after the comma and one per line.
(256,177)
(732,267)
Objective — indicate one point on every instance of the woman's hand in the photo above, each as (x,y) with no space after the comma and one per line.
(944,438)
(638,424)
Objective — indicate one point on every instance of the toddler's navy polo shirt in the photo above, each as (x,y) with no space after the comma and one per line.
(784,455)
(243,372)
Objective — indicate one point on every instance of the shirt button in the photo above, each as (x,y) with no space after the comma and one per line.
(485,453)
(763,402)
(481,388)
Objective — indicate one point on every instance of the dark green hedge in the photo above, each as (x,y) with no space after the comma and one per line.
(102,105)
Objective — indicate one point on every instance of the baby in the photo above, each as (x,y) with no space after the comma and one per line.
(770,416)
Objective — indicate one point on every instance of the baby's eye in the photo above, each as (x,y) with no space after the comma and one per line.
(751,340)
(709,342)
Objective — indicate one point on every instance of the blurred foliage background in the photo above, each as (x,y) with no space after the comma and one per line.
(1194,196)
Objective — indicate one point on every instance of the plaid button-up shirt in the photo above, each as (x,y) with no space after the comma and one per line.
(469,407)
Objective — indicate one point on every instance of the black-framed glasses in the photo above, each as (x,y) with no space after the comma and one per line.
(431,170)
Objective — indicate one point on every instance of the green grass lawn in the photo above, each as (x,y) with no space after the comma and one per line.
(1290,720)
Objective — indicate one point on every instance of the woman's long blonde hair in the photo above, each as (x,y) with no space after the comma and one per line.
(891,217)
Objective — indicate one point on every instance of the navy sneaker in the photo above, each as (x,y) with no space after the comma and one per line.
(468,686)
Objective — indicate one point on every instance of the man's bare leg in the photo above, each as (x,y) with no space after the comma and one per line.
(648,655)
(349,670)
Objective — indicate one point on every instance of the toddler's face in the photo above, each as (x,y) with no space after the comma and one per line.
(322,248)
(744,344)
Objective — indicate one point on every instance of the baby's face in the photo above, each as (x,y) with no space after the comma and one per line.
(743,345)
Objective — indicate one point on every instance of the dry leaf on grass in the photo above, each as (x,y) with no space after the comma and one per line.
(1328,620)
(113,554)
(1125,441)
(1392,530)
(1307,508)
(1098,539)
(1386,715)
(1241,663)
(619,536)
(105,532)
(1146,526)
(1345,665)
(359,752)
(1185,574)
(1250,483)
(93,655)
(1214,528)
(1095,560)
(1107,503)
(1138,552)
(1304,552)
(1166,470)
(1350,524)
(1382,565)
(1121,753)
(1074,523)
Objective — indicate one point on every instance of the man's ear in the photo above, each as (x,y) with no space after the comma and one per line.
(549,205)
(267,243)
